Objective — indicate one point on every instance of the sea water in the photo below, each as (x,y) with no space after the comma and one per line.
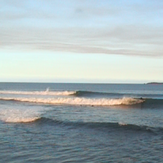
(54,122)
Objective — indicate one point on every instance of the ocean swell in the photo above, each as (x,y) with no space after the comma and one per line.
(101,125)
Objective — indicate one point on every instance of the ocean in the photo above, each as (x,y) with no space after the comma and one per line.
(80,123)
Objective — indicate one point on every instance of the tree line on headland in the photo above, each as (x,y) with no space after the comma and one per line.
(154,83)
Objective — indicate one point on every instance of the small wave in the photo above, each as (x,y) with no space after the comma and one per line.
(79,101)
(19,115)
(20,120)
(101,125)
(116,126)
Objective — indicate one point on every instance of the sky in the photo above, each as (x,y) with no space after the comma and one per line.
(110,41)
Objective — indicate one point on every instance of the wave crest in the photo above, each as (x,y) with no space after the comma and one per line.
(79,101)
(47,92)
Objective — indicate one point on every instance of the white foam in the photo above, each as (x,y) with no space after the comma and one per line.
(19,115)
(79,101)
(47,92)
(122,124)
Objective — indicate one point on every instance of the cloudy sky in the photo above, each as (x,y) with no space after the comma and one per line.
(81,40)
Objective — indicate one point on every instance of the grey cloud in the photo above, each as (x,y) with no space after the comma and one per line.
(86,40)
(136,34)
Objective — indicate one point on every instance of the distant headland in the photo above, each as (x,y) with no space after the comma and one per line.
(155,83)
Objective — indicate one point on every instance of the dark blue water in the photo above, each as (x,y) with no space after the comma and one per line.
(45,122)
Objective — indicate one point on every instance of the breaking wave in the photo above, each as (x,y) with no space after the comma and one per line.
(79,101)
(80,93)
(19,115)
(47,92)
(60,93)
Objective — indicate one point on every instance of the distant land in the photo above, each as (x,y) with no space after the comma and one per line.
(154,83)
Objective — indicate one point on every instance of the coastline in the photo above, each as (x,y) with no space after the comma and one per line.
(156,83)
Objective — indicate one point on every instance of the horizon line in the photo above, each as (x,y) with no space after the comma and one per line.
(48,82)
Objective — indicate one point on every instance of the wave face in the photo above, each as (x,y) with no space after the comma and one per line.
(90,93)
(111,94)
(101,125)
